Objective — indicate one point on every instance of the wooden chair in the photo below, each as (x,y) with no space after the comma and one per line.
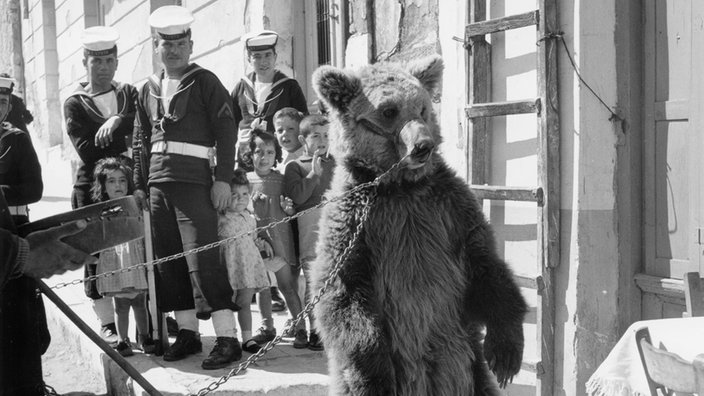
(693,294)
(668,372)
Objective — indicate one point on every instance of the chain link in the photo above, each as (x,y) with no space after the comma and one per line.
(332,275)
(212,245)
(366,201)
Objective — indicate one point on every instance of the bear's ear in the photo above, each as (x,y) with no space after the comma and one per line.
(428,71)
(336,87)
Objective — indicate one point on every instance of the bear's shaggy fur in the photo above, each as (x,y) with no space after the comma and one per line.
(405,314)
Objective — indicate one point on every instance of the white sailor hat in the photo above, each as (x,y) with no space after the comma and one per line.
(99,40)
(171,22)
(6,85)
(262,40)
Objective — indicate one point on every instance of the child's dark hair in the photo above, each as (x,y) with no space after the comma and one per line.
(310,121)
(266,137)
(289,112)
(100,175)
(239,178)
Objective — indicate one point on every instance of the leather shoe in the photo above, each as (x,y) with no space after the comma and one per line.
(225,351)
(187,343)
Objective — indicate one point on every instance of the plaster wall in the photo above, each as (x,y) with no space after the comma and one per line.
(39,36)
(587,280)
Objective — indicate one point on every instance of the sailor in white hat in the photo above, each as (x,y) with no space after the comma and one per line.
(99,117)
(99,112)
(183,111)
(22,319)
(6,85)
(172,38)
(264,91)
(261,41)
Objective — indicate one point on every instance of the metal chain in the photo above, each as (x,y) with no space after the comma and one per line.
(212,245)
(332,275)
(49,390)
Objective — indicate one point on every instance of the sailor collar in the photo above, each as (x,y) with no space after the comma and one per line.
(177,108)
(248,93)
(89,105)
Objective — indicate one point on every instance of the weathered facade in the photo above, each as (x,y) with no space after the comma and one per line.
(630,186)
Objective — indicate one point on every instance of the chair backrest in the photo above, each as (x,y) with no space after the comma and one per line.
(667,371)
(694,294)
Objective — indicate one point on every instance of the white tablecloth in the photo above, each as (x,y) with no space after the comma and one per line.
(621,373)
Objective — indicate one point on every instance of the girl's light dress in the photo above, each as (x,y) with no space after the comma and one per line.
(122,284)
(244,262)
(268,210)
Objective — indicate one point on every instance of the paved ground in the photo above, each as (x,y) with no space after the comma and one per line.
(75,366)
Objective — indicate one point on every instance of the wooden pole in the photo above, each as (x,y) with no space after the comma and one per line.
(157,318)
(128,368)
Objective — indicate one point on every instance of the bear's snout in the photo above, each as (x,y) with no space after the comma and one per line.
(422,150)
(419,143)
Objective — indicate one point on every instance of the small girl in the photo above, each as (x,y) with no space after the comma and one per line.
(113,179)
(270,205)
(242,256)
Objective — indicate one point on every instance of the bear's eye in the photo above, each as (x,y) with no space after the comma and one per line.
(389,112)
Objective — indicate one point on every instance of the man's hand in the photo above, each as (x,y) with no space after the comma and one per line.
(103,137)
(265,247)
(141,197)
(48,255)
(220,194)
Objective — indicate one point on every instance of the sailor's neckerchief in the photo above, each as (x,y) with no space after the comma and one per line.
(249,95)
(91,108)
(179,99)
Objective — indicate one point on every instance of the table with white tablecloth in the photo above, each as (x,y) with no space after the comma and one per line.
(622,373)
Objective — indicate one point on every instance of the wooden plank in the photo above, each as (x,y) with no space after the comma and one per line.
(694,294)
(504,193)
(482,28)
(493,109)
(529,282)
(532,367)
(479,76)
(549,180)
(666,287)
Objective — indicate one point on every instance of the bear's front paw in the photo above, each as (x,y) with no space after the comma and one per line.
(504,356)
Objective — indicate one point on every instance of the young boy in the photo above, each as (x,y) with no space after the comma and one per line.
(305,181)
(286,129)
(286,122)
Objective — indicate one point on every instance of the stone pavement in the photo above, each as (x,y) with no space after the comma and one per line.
(282,371)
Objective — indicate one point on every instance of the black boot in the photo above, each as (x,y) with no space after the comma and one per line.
(225,351)
(187,343)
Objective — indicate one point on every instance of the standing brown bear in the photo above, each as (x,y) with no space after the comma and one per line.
(405,314)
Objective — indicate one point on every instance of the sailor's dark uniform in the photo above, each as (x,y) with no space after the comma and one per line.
(83,119)
(171,149)
(20,172)
(285,92)
(24,335)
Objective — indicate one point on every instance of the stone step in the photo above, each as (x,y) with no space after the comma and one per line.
(282,371)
